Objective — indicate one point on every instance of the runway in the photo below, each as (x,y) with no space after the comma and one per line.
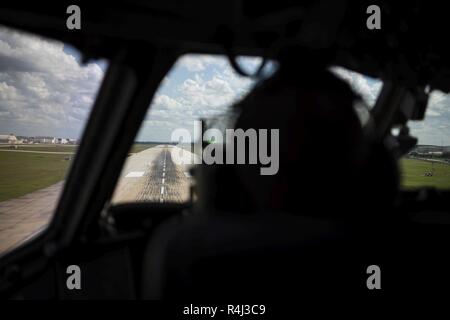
(23,217)
(150,175)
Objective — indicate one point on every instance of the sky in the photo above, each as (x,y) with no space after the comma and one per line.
(198,86)
(44,90)
(434,129)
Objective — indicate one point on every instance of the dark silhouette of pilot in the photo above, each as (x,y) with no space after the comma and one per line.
(327,165)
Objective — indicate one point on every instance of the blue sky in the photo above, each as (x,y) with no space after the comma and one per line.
(45,91)
(43,88)
(198,86)
(435,129)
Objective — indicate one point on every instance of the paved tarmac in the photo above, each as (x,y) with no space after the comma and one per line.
(23,217)
(150,175)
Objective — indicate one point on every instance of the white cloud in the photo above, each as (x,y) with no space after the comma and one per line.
(212,93)
(433,130)
(7,92)
(199,86)
(367,88)
(43,89)
(165,102)
(198,62)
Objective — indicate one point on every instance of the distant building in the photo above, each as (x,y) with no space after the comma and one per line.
(71,141)
(23,139)
(431,151)
(12,139)
(43,139)
(427,148)
(60,141)
(8,139)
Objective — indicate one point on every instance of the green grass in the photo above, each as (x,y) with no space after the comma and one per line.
(22,173)
(138,147)
(135,148)
(413,174)
(44,147)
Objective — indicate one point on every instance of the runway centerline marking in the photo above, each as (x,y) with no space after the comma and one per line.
(163,180)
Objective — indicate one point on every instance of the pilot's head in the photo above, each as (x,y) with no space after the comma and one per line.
(322,160)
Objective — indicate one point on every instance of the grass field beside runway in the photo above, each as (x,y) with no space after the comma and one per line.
(22,173)
(135,148)
(413,174)
(138,147)
(43,147)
